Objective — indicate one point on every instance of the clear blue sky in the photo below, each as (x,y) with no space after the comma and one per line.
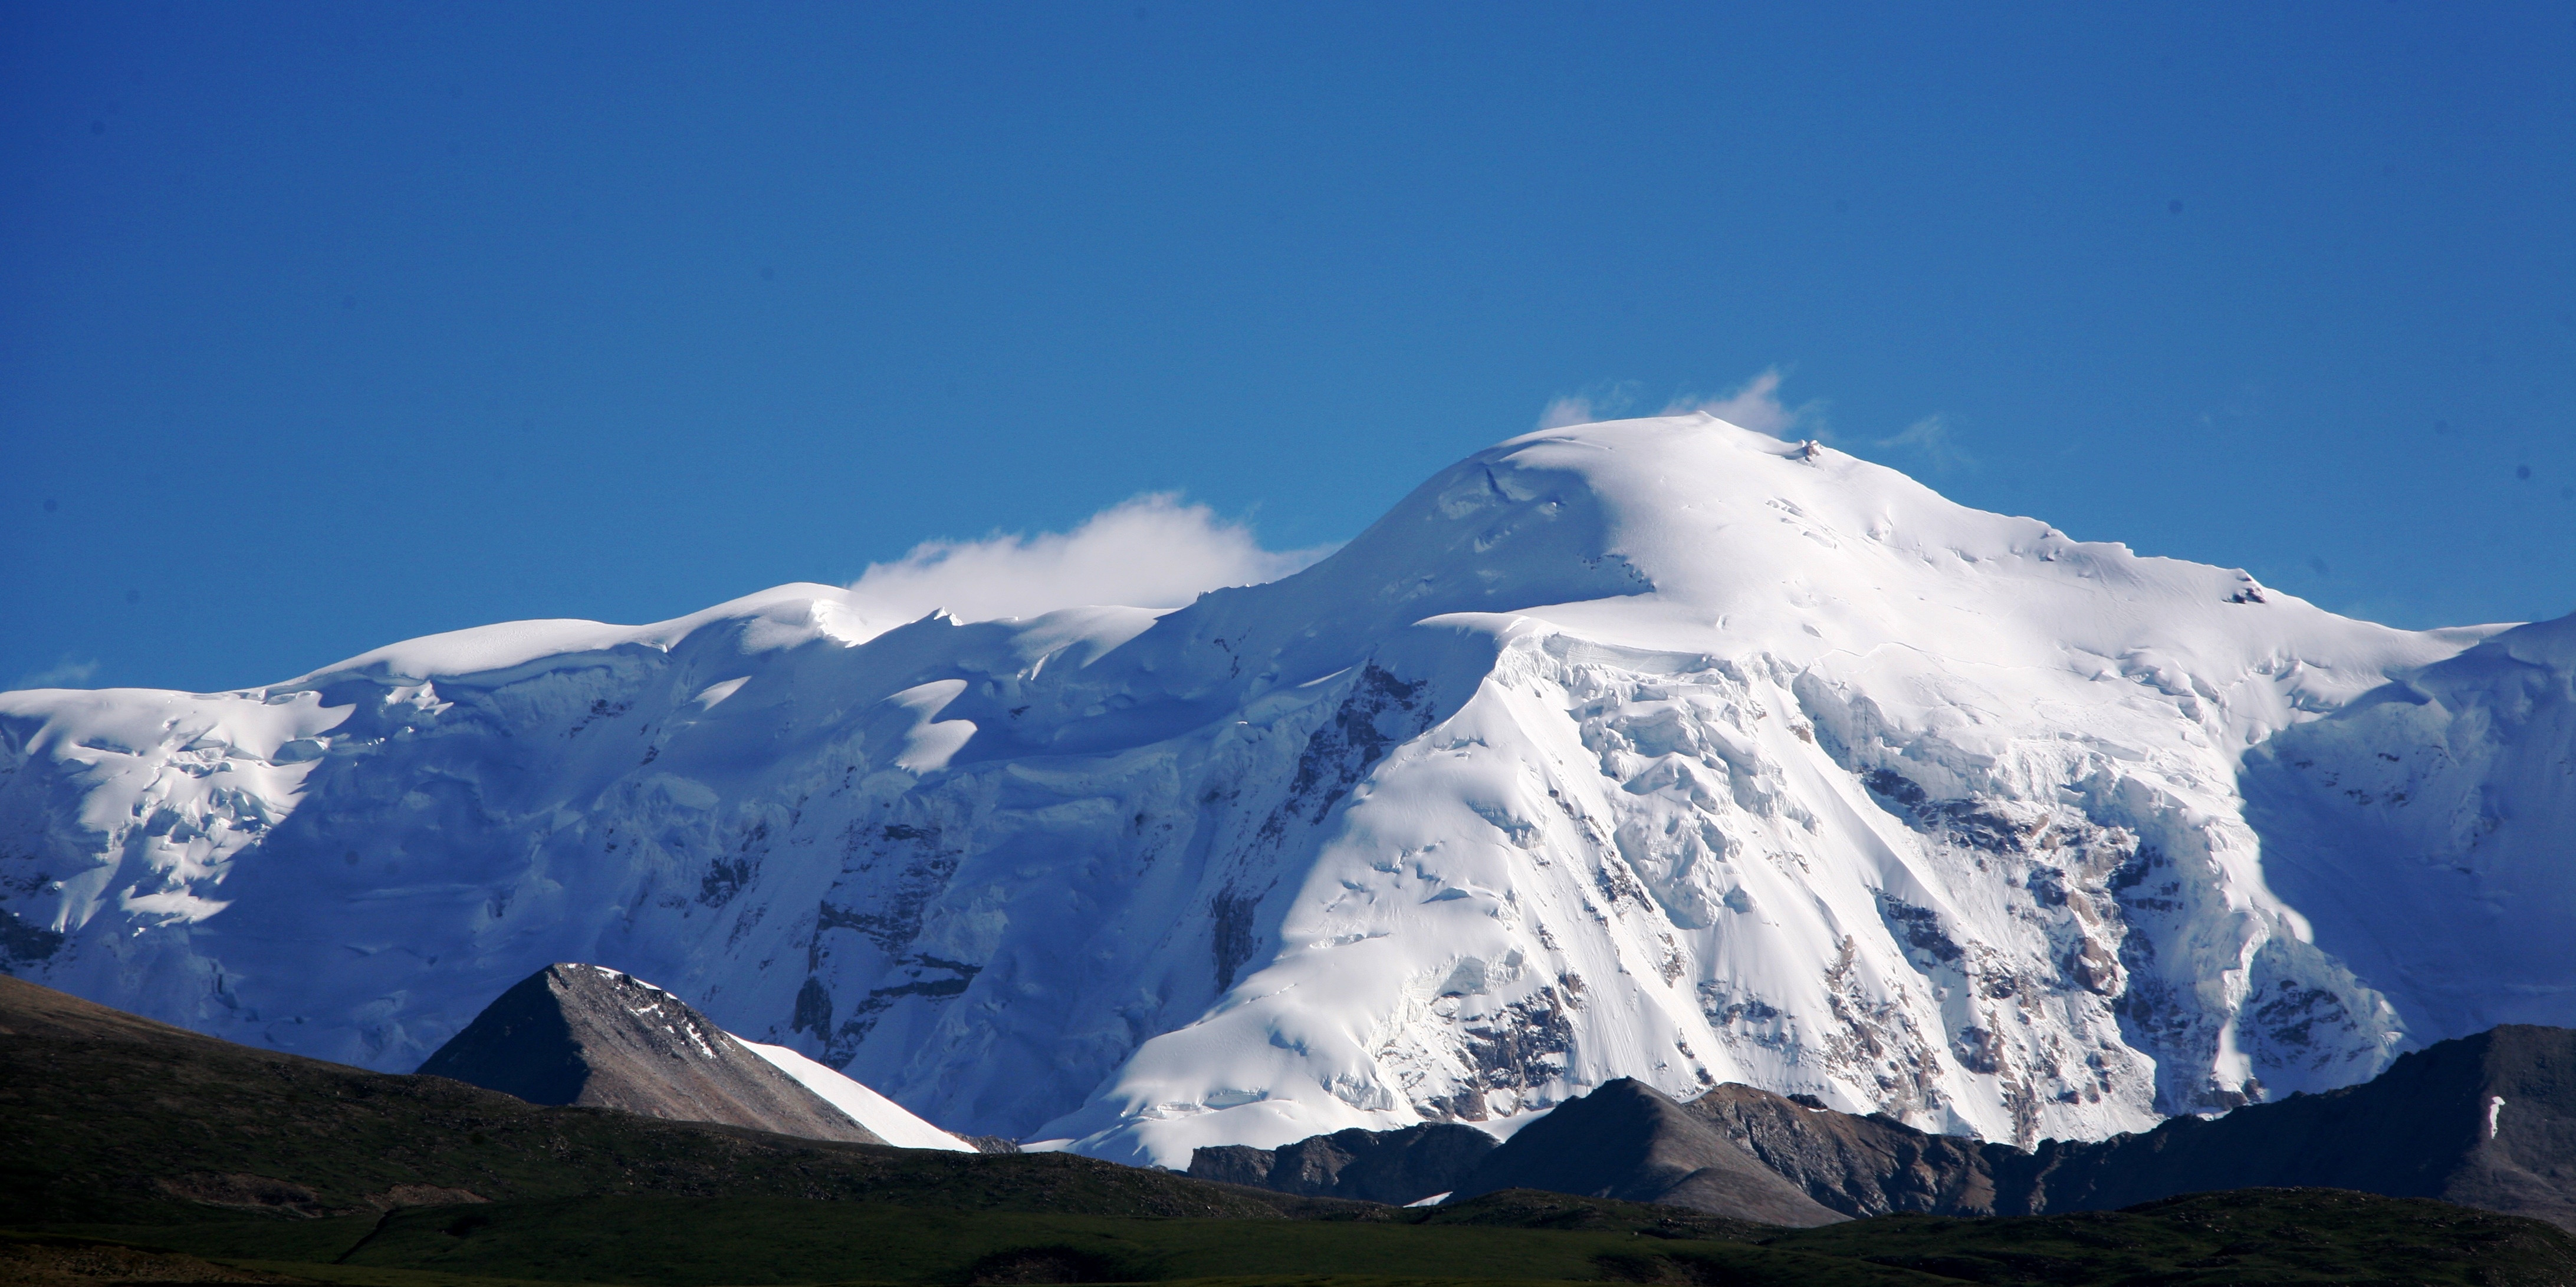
(327,325)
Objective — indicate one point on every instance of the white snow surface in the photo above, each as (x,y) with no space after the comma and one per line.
(866,1107)
(1655,748)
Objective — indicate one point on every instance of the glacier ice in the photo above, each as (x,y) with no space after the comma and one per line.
(1654,748)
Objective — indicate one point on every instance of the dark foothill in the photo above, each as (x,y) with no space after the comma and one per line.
(581,1034)
(2486,1121)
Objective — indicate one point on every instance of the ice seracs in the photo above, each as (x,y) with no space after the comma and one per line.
(1652,748)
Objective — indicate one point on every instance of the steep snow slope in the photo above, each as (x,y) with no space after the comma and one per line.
(2428,830)
(1654,748)
(866,1107)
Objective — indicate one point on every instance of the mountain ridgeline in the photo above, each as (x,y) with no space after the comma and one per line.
(580,1034)
(133,1151)
(110,1118)
(2486,1121)
(1655,749)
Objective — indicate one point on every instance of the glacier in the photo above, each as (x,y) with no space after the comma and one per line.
(1655,748)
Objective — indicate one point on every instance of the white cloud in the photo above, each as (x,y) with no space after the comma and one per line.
(66,673)
(1756,405)
(1150,552)
(1572,409)
(1930,438)
(1607,401)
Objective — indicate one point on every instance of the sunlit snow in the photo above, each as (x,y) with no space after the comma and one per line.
(1656,748)
(866,1107)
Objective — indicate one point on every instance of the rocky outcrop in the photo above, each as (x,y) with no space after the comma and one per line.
(584,1034)
(1374,1166)
(1627,1141)
(1859,1166)
(2485,1121)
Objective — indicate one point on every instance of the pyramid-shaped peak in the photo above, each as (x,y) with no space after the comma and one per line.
(585,1034)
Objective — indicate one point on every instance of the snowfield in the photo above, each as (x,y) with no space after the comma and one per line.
(880,1115)
(1654,748)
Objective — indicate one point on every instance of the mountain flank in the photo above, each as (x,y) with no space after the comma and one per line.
(859,836)
(106,1117)
(1857,1165)
(2486,1121)
(130,1150)
(1628,1141)
(592,1036)
(1397,1167)
(1625,1141)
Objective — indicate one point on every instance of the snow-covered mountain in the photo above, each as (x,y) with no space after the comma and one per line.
(1655,748)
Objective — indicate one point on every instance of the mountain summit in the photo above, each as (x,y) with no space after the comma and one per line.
(588,1035)
(1656,748)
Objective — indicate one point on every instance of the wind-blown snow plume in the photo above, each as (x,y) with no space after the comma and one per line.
(1150,552)
(1931,439)
(1756,405)
(70,672)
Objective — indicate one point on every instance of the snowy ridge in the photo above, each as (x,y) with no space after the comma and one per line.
(1654,748)
(866,1107)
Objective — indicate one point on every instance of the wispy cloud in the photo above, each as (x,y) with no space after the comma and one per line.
(1149,552)
(1930,439)
(67,673)
(1600,402)
(1572,409)
(1756,405)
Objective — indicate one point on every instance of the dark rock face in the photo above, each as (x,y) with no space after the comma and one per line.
(111,1118)
(2486,1121)
(581,1034)
(1395,1167)
(1627,1141)
(1859,1166)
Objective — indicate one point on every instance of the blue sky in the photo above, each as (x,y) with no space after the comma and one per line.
(327,325)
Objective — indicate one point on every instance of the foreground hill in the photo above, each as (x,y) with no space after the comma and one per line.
(2486,1121)
(110,1118)
(2275,1236)
(581,1034)
(1656,749)
(138,1152)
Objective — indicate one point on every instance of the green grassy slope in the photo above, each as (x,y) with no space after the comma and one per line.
(168,1145)
(2239,1236)
(106,1117)
(687,1242)
(659,1242)
(2247,1236)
